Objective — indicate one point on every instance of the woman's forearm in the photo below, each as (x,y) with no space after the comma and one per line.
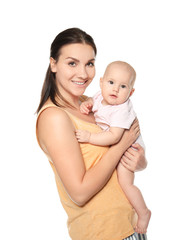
(95,178)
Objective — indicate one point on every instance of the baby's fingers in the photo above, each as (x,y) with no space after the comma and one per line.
(77,133)
(84,110)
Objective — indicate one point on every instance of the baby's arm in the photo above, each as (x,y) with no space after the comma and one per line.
(86,106)
(104,138)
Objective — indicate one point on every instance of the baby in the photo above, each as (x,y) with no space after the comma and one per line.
(113,112)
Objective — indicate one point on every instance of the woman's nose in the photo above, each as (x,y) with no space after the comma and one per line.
(82,72)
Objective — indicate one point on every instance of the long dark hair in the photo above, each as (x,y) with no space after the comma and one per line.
(68,36)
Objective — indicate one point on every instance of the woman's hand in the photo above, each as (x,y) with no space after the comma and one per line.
(134,158)
(130,136)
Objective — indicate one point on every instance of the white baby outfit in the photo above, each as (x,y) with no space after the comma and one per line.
(107,116)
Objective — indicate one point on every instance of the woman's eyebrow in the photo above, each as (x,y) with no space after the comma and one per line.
(93,59)
(75,59)
(72,59)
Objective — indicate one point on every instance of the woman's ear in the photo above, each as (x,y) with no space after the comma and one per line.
(132,91)
(53,65)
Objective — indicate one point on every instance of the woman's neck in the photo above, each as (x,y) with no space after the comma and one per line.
(74,108)
(71,101)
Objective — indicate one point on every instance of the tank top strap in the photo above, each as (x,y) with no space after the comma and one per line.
(47,105)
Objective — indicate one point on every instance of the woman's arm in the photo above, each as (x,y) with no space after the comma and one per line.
(57,138)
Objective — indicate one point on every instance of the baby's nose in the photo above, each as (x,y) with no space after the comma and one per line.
(116,88)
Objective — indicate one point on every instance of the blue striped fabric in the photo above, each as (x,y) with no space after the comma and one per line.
(136,236)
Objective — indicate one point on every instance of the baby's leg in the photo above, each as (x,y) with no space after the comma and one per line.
(126,179)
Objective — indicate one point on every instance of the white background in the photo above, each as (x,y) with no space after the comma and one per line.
(158,39)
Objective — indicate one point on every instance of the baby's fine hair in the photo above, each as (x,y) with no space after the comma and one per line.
(126,65)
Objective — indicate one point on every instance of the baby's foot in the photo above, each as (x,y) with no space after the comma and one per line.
(143,221)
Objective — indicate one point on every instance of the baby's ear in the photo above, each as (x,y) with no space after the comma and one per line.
(132,91)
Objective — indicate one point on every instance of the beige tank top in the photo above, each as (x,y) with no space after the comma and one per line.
(108,215)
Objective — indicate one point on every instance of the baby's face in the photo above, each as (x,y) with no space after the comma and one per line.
(116,85)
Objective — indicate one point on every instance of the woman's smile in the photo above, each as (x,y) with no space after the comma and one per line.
(81,83)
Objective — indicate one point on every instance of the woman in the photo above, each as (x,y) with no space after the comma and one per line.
(85,174)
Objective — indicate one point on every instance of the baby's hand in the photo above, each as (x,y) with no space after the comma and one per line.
(86,107)
(83,135)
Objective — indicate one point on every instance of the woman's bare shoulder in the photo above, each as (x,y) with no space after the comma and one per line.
(54,115)
(54,123)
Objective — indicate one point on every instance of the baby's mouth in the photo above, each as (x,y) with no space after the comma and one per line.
(113,96)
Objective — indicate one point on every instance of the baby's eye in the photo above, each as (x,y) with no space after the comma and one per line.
(111,82)
(72,64)
(123,86)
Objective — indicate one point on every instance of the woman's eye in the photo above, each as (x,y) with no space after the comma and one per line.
(72,64)
(90,64)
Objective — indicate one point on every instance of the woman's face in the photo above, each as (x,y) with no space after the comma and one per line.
(74,69)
